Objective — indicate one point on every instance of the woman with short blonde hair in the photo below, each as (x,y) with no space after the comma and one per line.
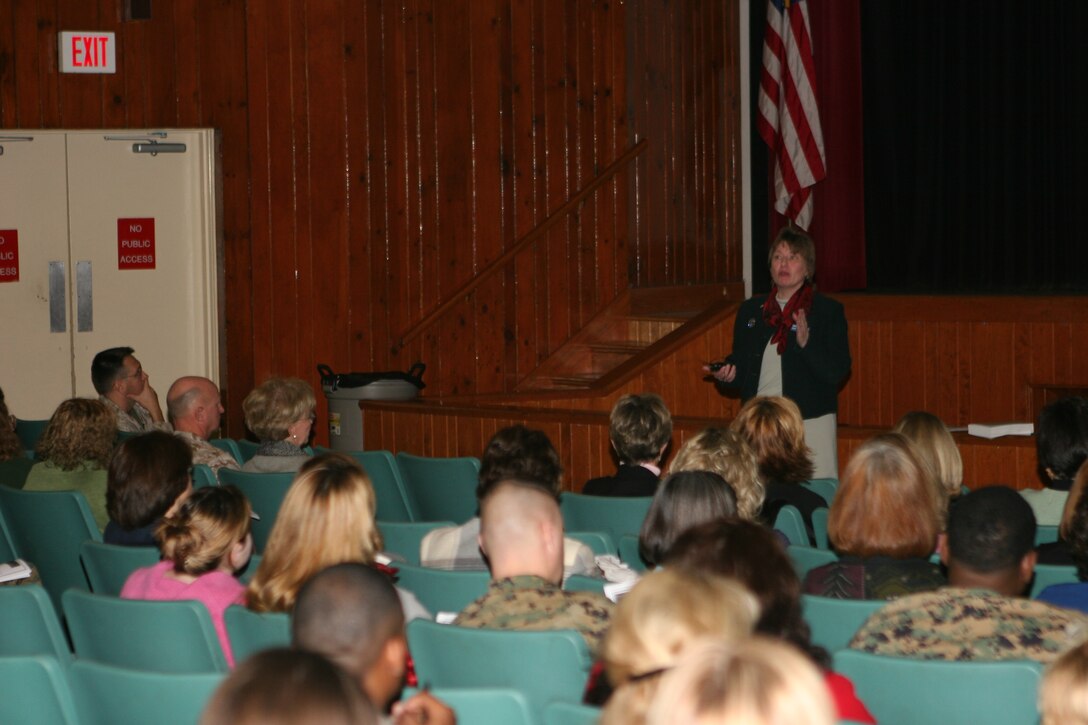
(1063,694)
(280,412)
(758,681)
(935,446)
(727,454)
(656,622)
(884,523)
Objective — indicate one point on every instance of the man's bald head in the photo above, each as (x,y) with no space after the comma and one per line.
(521,531)
(193,405)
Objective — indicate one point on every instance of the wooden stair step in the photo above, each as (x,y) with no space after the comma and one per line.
(619,347)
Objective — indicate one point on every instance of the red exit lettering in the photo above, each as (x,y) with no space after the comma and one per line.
(88,51)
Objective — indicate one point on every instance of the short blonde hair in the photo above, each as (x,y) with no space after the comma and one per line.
(886,503)
(657,621)
(774,429)
(205,527)
(80,431)
(275,404)
(727,454)
(935,446)
(1063,694)
(327,518)
(757,681)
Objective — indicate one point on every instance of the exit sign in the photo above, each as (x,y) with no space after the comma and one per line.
(87,52)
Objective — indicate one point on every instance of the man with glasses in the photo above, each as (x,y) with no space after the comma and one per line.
(123,386)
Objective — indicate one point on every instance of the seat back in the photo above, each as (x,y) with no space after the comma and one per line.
(390,492)
(1047,574)
(107,565)
(403,538)
(1046,534)
(615,515)
(36,691)
(247,448)
(175,636)
(38,631)
(790,523)
(835,621)
(819,528)
(228,445)
(13,472)
(265,492)
(902,691)
(806,558)
(583,583)
(543,666)
(29,431)
(105,695)
(483,705)
(569,713)
(203,476)
(598,541)
(825,488)
(47,528)
(251,632)
(7,548)
(440,489)
(629,553)
(440,590)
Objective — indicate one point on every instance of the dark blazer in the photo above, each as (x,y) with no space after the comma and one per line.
(811,375)
(630,480)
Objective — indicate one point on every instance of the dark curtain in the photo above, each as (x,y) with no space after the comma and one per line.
(975,145)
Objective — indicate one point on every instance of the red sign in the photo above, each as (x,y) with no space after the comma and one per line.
(9,255)
(136,244)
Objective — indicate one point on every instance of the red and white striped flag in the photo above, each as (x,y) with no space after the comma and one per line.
(789,119)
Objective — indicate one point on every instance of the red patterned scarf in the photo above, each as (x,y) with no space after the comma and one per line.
(782,320)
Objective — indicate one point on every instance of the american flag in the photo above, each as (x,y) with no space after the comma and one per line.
(789,120)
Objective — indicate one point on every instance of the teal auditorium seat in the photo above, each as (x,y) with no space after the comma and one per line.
(47,528)
(543,666)
(247,448)
(568,713)
(36,691)
(617,516)
(1046,534)
(904,691)
(629,553)
(1047,574)
(583,583)
(29,431)
(790,523)
(228,445)
(251,632)
(108,566)
(403,538)
(440,489)
(825,488)
(203,476)
(440,590)
(265,492)
(807,558)
(599,541)
(835,621)
(38,631)
(819,528)
(175,636)
(483,706)
(390,490)
(107,695)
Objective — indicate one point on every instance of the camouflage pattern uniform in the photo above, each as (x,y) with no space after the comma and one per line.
(530,602)
(970,624)
(137,420)
(204,452)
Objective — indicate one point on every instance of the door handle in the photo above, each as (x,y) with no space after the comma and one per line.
(58,316)
(84,297)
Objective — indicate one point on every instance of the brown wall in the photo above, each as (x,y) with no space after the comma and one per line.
(377,154)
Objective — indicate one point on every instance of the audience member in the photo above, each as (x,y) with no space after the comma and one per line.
(727,454)
(73,453)
(196,409)
(288,687)
(280,412)
(884,523)
(1063,694)
(776,433)
(656,623)
(757,681)
(14,463)
(936,449)
(1061,447)
(327,517)
(640,428)
(204,543)
(979,616)
(749,553)
(350,613)
(521,533)
(123,387)
(1073,595)
(683,500)
(515,452)
(148,478)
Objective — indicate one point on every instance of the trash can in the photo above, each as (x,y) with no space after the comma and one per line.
(344,391)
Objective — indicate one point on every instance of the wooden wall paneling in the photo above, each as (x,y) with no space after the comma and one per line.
(112,100)
(557,137)
(45,76)
(586,150)
(10,60)
(130,84)
(153,85)
(992,371)
(400,95)
(909,354)
(80,94)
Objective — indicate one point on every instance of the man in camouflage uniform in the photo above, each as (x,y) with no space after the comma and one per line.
(980,615)
(521,533)
(123,387)
(195,407)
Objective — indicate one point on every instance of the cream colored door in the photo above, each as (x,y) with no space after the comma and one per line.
(35,353)
(162,302)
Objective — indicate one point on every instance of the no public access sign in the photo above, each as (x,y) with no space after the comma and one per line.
(136,243)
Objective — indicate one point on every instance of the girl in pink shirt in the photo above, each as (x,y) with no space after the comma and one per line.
(203,544)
